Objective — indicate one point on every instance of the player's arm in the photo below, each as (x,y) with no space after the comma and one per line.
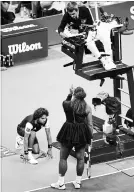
(49,139)
(28,129)
(62,26)
(69,97)
(90,120)
(48,134)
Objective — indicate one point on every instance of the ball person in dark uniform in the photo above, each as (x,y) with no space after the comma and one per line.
(76,132)
(27,129)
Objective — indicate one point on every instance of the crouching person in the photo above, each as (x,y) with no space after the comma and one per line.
(112,109)
(27,134)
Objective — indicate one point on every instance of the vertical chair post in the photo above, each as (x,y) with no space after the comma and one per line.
(96,12)
(131,89)
(117,93)
(79,51)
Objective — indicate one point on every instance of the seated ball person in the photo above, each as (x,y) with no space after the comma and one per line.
(112,109)
(74,17)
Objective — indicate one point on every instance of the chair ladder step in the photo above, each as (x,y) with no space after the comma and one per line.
(125,105)
(123,91)
(126,118)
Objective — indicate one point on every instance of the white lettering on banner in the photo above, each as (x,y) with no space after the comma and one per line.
(132,12)
(15,28)
(21,48)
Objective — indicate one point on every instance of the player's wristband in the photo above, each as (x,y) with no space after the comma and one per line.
(49,146)
(26,152)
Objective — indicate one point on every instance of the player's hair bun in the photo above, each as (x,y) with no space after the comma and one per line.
(79,93)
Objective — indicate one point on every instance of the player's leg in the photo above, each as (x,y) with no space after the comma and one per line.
(36,148)
(103,34)
(91,44)
(64,153)
(80,151)
(31,142)
(19,143)
(92,47)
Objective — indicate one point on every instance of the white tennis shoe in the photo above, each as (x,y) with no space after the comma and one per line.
(110,61)
(58,186)
(32,160)
(76,185)
(107,63)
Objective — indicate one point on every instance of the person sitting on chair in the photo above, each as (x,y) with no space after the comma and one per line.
(26,4)
(27,132)
(75,16)
(54,8)
(6,16)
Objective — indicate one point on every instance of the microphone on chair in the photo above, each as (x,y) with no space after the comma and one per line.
(105,16)
(126,22)
(103,13)
(127,31)
(101,10)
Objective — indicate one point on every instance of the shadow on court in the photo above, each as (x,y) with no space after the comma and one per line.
(117,182)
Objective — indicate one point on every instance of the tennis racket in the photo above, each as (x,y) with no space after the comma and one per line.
(88,161)
(119,147)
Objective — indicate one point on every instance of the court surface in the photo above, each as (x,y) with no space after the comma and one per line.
(46,83)
(117,181)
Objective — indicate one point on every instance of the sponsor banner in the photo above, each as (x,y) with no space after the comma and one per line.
(26,46)
(5,152)
(20,27)
(17,28)
(23,47)
(132,12)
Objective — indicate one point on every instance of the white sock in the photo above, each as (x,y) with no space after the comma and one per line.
(78,179)
(61,179)
(30,153)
